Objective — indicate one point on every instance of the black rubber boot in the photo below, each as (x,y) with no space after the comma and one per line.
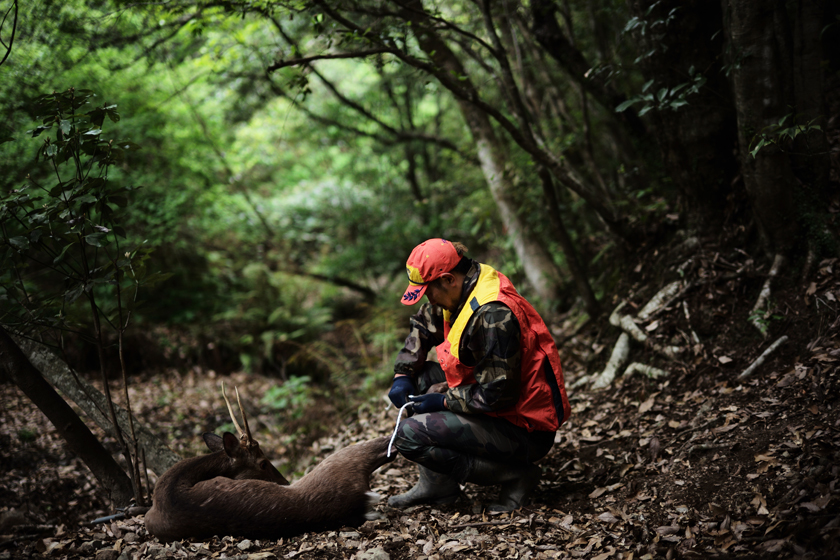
(517,482)
(432,488)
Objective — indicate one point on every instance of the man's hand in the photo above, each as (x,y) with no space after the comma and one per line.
(441,387)
(430,402)
(400,389)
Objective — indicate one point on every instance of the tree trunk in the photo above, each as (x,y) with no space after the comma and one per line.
(551,37)
(69,426)
(810,158)
(775,73)
(696,141)
(158,456)
(539,268)
(576,267)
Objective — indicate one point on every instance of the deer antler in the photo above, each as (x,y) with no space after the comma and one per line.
(233,417)
(244,418)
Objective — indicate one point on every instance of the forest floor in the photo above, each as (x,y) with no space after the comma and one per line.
(700,463)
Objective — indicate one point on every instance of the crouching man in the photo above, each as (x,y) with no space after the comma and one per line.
(490,408)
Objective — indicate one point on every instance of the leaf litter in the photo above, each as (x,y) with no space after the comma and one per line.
(698,464)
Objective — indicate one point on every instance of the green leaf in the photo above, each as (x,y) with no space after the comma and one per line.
(758,146)
(65,126)
(72,295)
(111,111)
(676,89)
(647,85)
(86,198)
(60,256)
(36,131)
(661,94)
(627,104)
(21,243)
(94,239)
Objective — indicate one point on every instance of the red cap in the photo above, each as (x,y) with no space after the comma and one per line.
(426,263)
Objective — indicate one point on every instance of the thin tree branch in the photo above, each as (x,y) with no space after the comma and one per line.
(306,60)
(14,29)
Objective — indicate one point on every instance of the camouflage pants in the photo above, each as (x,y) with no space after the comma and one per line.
(447,442)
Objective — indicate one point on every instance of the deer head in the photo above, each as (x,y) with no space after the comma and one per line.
(246,459)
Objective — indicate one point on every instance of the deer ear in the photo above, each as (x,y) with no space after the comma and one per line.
(231,445)
(214,442)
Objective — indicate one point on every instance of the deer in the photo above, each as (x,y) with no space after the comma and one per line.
(235,490)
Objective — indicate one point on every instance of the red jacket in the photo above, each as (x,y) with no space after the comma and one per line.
(543,404)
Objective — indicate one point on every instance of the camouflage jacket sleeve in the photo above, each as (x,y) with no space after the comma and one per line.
(490,343)
(425,332)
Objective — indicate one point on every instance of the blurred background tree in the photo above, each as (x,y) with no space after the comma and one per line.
(294,153)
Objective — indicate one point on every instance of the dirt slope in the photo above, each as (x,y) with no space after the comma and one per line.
(696,464)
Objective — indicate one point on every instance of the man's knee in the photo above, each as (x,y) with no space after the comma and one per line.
(412,439)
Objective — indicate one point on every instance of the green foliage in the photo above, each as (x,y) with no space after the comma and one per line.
(665,98)
(27,435)
(651,28)
(292,397)
(762,319)
(782,133)
(61,232)
(278,314)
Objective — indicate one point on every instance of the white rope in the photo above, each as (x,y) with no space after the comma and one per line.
(397,427)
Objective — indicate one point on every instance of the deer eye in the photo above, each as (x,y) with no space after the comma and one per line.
(264,465)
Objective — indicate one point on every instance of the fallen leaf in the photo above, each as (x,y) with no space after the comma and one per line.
(724,359)
(822,501)
(608,517)
(788,379)
(647,405)
(773,526)
(597,493)
(724,429)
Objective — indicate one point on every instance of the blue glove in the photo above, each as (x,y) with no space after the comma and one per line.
(430,402)
(400,389)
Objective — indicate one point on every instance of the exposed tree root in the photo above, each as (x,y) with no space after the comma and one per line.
(760,360)
(619,355)
(628,325)
(698,346)
(758,314)
(650,371)
(657,301)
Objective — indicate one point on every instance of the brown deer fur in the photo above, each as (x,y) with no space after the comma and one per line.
(225,493)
